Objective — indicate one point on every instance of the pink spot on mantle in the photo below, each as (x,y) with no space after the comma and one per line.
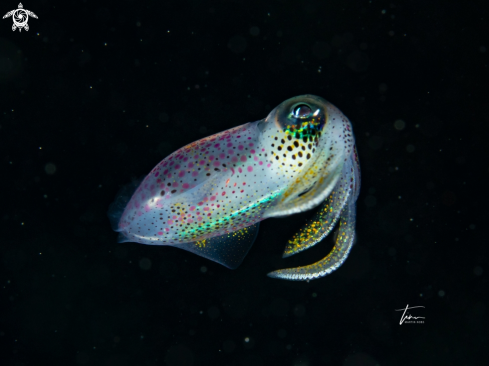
(160,232)
(250,168)
(185,186)
(240,147)
(181,174)
(243,158)
(240,170)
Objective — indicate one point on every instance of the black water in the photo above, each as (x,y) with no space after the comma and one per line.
(95,94)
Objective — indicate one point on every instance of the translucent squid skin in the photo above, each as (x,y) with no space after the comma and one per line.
(209,196)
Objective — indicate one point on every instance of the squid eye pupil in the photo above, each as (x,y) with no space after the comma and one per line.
(302,111)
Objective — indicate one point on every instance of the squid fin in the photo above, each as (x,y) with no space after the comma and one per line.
(228,249)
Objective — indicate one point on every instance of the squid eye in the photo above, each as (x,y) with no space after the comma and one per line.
(302,111)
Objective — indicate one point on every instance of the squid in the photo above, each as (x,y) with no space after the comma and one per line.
(210,196)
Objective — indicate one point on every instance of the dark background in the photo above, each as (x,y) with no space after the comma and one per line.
(96,93)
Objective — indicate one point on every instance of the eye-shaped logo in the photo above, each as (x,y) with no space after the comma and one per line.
(20,17)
